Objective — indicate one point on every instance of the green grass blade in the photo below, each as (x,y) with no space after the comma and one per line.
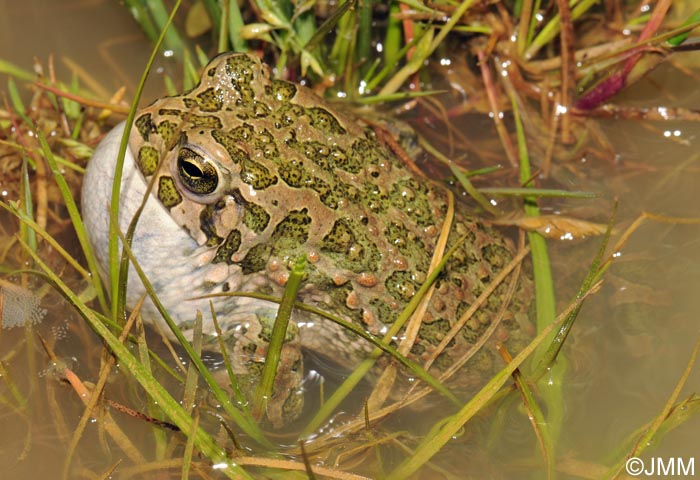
(472,191)
(425,48)
(678,39)
(679,414)
(235,23)
(548,357)
(14,71)
(396,97)
(172,40)
(648,437)
(215,12)
(363,51)
(544,286)
(537,192)
(393,35)
(16,99)
(237,392)
(553,27)
(329,24)
(279,330)
(76,220)
(28,207)
(539,423)
(114,264)
(140,13)
(192,377)
(189,448)
(29,222)
(545,301)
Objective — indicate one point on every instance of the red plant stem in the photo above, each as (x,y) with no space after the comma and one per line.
(568,68)
(496,110)
(618,80)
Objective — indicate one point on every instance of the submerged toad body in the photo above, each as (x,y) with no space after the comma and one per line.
(252,173)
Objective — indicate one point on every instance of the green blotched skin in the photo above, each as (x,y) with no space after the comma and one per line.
(260,172)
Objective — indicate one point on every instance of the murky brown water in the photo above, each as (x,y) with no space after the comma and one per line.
(628,349)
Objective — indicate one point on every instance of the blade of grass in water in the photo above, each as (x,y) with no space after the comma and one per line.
(189,447)
(363,52)
(26,221)
(647,439)
(393,35)
(144,355)
(461,177)
(395,97)
(192,377)
(679,414)
(548,356)
(155,390)
(28,207)
(537,192)
(15,71)
(76,220)
(94,401)
(16,99)
(189,396)
(544,290)
(238,394)
(422,52)
(117,290)
(324,29)
(536,417)
(551,30)
(472,191)
(279,330)
(544,287)
(678,39)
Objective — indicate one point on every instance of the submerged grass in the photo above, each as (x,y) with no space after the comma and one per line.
(650,432)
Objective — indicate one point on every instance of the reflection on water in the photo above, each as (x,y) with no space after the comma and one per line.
(97,40)
(628,349)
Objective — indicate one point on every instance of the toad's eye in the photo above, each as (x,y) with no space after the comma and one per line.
(196,173)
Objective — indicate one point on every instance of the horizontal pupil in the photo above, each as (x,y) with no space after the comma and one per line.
(191,169)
